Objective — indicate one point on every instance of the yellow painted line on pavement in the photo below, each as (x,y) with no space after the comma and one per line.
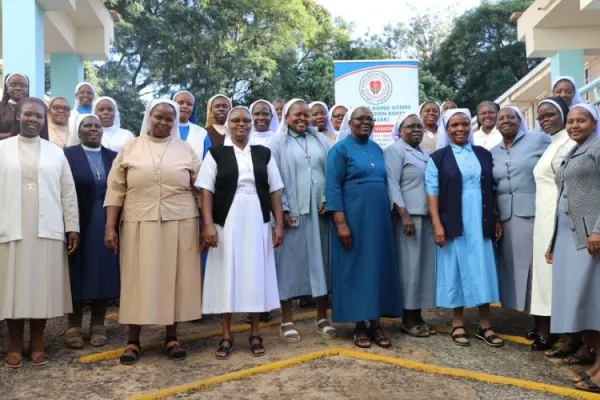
(112,315)
(447,329)
(413,365)
(116,353)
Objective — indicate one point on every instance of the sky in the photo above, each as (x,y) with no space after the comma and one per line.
(373,15)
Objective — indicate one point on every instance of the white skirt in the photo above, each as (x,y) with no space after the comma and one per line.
(240,273)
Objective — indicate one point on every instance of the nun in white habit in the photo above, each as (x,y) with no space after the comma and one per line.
(264,122)
(240,186)
(113,136)
(320,120)
(405,162)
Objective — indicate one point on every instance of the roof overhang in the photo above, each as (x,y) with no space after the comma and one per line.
(551,25)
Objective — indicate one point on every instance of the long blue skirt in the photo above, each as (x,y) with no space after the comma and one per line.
(466,267)
(94,270)
(365,281)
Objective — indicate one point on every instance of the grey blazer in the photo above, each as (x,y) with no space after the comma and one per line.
(405,169)
(513,174)
(578,181)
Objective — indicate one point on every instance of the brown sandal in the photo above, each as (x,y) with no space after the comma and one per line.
(132,354)
(13,360)
(74,338)
(98,336)
(174,350)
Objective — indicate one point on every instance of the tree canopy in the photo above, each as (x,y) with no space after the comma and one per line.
(251,49)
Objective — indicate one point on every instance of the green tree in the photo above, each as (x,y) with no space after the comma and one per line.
(481,58)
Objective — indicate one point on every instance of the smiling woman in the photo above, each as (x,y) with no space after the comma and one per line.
(35,225)
(16,87)
(151,186)
(364,271)
(94,270)
(59,112)
(303,260)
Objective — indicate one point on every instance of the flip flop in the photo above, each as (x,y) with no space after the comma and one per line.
(13,361)
(40,360)
(591,385)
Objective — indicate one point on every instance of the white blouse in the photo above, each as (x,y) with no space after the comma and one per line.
(246,183)
(114,139)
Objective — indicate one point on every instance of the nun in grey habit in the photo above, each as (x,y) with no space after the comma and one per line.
(302,262)
(405,162)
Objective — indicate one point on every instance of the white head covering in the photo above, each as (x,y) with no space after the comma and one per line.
(576,97)
(210,117)
(334,107)
(443,139)
(151,105)
(74,137)
(400,120)
(117,124)
(593,111)
(227,132)
(274,125)
(523,126)
(345,130)
(328,124)
(76,106)
(283,126)
(11,101)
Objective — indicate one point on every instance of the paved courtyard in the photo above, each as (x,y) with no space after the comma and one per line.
(430,368)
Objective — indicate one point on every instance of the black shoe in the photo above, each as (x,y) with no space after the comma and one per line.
(532,334)
(541,343)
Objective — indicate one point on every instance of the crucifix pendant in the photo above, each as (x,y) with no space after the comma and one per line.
(372,165)
(30,186)
(98,175)
(308,157)
(155,176)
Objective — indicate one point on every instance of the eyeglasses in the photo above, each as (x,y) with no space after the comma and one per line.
(364,118)
(61,108)
(239,121)
(337,116)
(18,85)
(413,127)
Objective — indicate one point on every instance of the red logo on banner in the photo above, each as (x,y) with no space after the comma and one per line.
(375,86)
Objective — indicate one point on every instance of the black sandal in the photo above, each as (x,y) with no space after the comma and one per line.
(457,336)
(489,339)
(379,339)
(255,348)
(132,354)
(591,385)
(531,334)
(224,349)
(174,350)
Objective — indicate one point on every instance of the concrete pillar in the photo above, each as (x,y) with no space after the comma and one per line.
(568,62)
(66,71)
(23,42)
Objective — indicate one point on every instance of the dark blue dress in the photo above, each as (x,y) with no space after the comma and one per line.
(94,270)
(365,281)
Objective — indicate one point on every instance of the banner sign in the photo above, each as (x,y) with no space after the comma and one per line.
(388,87)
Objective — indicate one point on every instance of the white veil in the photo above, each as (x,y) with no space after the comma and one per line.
(151,105)
(443,139)
(396,132)
(274,125)
(329,124)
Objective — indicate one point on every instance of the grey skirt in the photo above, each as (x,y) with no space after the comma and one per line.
(416,262)
(575,283)
(514,263)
